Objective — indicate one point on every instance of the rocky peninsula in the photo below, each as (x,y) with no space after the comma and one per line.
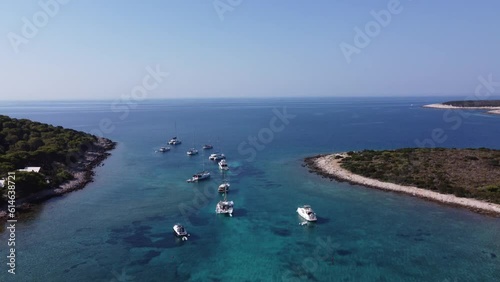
(440,175)
(55,161)
(491,106)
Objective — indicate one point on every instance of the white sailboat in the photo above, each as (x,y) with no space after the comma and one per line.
(199,176)
(202,175)
(174,140)
(164,149)
(224,187)
(217,156)
(192,151)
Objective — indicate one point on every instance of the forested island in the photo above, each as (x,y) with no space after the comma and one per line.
(493,106)
(466,177)
(58,159)
(474,103)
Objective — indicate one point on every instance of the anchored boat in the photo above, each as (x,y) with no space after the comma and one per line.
(181,232)
(225,206)
(164,149)
(203,175)
(223,165)
(307,213)
(224,187)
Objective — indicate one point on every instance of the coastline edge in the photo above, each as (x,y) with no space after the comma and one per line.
(91,160)
(327,166)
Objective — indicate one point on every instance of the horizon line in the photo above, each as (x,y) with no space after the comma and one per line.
(239,98)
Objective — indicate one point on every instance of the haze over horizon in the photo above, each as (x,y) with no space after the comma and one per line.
(55,49)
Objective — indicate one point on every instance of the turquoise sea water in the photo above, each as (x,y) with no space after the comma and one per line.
(119,227)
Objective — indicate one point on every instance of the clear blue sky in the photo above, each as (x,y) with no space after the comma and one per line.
(93,49)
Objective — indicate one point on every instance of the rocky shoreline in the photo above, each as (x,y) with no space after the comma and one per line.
(490,110)
(328,166)
(83,173)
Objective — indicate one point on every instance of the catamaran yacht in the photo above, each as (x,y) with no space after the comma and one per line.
(225,206)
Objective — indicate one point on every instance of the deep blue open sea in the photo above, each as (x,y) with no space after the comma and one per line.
(119,228)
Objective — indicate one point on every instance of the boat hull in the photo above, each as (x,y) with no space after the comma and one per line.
(303,213)
(199,177)
(224,188)
(225,207)
(217,157)
(179,231)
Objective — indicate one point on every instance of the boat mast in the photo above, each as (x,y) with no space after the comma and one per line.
(203,159)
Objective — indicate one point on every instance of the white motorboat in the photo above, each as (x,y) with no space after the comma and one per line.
(307,213)
(203,175)
(179,230)
(174,141)
(216,157)
(224,187)
(223,165)
(207,147)
(192,152)
(164,149)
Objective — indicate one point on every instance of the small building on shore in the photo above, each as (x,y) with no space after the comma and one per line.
(30,169)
